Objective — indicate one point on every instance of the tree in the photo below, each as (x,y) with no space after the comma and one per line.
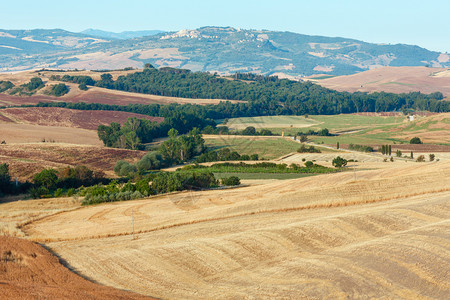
(230,181)
(432,157)
(5,179)
(421,158)
(339,162)
(398,153)
(303,138)
(83,87)
(389,150)
(150,161)
(59,90)
(415,140)
(46,178)
(250,130)
(337,145)
(412,155)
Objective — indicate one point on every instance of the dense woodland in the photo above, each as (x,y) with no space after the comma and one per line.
(264,95)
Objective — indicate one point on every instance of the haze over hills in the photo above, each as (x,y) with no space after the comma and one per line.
(120,35)
(215,49)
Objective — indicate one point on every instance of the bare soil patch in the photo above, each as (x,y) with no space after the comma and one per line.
(28,271)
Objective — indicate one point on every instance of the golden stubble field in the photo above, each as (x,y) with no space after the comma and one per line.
(383,235)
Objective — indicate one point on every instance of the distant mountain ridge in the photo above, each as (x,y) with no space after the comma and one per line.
(224,50)
(124,35)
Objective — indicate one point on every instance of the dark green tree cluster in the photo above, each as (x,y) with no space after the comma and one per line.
(308,149)
(224,154)
(182,148)
(230,181)
(55,183)
(80,79)
(321,132)
(34,84)
(58,90)
(5,180)
(8,187)
(362,148)
(158,183)
(29,88)
(278,96)
(386,150)
(250,130)
(135,131)
(415,140)
(339,162)
(5,85)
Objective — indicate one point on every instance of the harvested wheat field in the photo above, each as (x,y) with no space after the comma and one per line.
(25,160)
(28,271)
(385,235)
(393,80)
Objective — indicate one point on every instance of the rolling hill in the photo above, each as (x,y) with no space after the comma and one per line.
(391,80)
(215,49)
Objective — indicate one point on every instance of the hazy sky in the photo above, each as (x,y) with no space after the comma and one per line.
(421,22)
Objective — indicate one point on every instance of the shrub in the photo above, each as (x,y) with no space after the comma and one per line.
(339,162)
(421,158)
(309,164)
(124,168)
(362,148)
(306,149)
(83,87)
(59,90)
(254,157)
(58,193)
(230,181)
(415,140)
(432,157)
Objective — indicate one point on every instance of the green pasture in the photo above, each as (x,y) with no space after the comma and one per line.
(263,176)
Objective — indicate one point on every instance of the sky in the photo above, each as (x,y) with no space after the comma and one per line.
(416,22)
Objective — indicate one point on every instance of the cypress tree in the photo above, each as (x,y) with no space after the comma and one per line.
(390,150)
(337,145)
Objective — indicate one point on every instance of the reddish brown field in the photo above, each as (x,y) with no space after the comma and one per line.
(28,271)
(392,79)
(25,160)
(63,117)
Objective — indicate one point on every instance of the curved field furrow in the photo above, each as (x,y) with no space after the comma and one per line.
(384,235)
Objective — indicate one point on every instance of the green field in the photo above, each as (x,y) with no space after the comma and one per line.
(333,123)
(256,176)
(362,125)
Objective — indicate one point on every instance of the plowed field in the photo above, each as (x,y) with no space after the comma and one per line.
(28,271)
(63,117)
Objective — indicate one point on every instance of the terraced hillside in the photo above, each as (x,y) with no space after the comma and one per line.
(384,235)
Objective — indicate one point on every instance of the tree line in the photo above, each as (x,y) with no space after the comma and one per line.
(265,95)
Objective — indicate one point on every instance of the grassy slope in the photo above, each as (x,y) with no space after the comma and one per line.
(368,129)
